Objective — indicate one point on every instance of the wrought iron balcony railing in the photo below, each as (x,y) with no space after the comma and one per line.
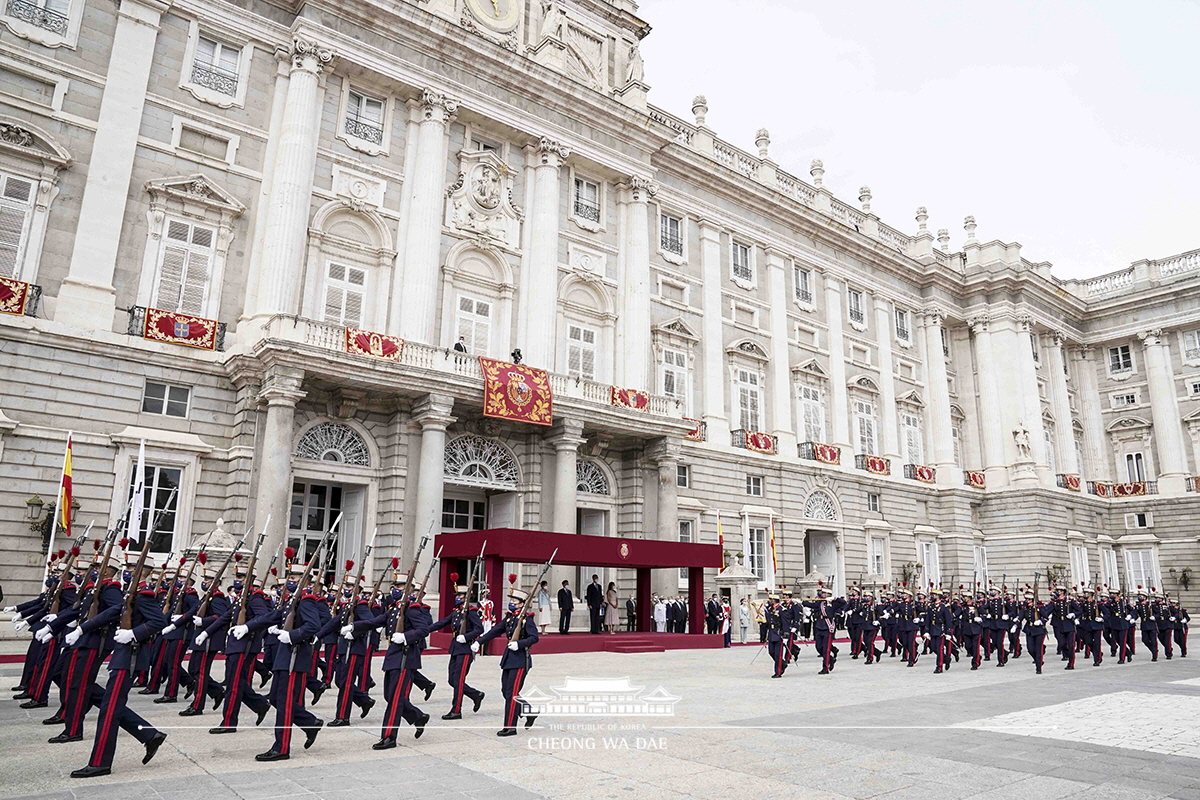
(34,14)
(213,77)
(365,129)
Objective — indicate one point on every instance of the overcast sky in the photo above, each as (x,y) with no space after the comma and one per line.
(1070,127)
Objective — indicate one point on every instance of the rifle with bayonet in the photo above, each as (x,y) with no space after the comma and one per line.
(215,583)
(250,565)
(520,622)
(349,604)
(408,583)
(132,590)
(177,606)
(72,553)
(289,618)
(464,623)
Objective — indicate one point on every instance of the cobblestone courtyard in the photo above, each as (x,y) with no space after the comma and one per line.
(1108,733)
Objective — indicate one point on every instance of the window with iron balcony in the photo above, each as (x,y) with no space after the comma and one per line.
(803,281)
(49,15)
(587,200)
(854,300)
(216,66)
(671,234)
(364,118)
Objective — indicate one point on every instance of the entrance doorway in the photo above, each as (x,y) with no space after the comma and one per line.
(821,554)
(314,508)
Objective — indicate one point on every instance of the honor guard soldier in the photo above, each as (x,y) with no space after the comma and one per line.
(972,625)
(406,622)
(1091,624)
(1148,617)
(1033,619)
(522,634)
(1014,628)
(23,616)
(940,622)
(854,620)
(295,627)
(177,633)
(137,617)
(356,639)
(1123,615)
(823,611)
(1181,627)
(776,635)
(906,612)
(792,616)
(996,618)
(1166,625)
(1063,613)
(466,625)
(871,623)
(60,594)
(241,647)
(205,648)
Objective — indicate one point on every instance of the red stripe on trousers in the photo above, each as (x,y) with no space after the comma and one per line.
(83,697)
(512,710)
(235,694)
(286,737)
(347,690)
(71,676)
(43,673)
(102,733)
(462,681)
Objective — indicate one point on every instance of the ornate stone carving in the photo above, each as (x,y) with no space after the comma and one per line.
(979,324)
(1021,439)
(641,189)
(479,202)
(438,106)
(331,441)
(310,55)
(1151,337)
(550,152)
(635,71)
(13,134)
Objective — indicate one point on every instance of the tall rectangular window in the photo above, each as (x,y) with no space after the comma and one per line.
(1079,564)
(910,435)
(1120,359)
(757,546)
(16,196)
(183,267)
(749,399)
(864,416)
(803,280)
(1108,563)
(364,117)
(1191,345)
(216,66)
(1135,467)
(878,565)
(581,352)
(675,377)
(671,234)
(902,331)
(742,268)
(979,562)
(1139,569)
(1033,345)
(474,324)
(587,199)
(956,439)
(683,476)
(345,293)
(812,413)
(157,499)
(945,343)
(1079,454)
(685,535)
(854,306)
(930,561)
(1051,453)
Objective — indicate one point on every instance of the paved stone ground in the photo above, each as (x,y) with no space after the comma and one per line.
(879,731)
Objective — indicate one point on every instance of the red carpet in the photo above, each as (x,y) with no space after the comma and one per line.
(620,642)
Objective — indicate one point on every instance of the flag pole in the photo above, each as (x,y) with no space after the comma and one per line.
(62,499)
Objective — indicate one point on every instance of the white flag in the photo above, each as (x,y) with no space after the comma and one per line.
(139,495)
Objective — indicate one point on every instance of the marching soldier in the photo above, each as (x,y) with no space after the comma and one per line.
(1063,612)
(357,639)
(1181,627)
(176,634)
(464,621)
(1014,630)
(823,613)
(941,629)
(972,625)
(776,633)
(906,613)
(241,648)
(1166,624)
(1148,617)
(1033,615)
(205,647)
(870,612)
(406,622)
(1091,624)
(516,661)
(792,615)
(996,617)
(854,620)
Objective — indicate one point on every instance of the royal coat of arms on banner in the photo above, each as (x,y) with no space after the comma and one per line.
(516,392)
(175,328)
(375,345)
(630,398)
(827,453)
(14,295)
(760,442)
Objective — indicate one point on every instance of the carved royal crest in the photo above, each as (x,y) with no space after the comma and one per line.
(479,201)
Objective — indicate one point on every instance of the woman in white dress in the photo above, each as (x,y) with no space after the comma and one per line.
(543,606)
(611,618)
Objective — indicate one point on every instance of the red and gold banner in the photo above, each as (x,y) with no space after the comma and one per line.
(827,453)
(175,328)
(1135,489)
(760,442)
(14,295)
(516,392)
(630,398)
(375,345)
(924,474)
(877,465)
(1071,482)
(1102,489)
(976,479)
(696,434)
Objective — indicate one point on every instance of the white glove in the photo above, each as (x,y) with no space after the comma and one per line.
(201,637)
(273,630)
(512,645)
(398,638)
(9,609)
(123,636)
(460,639)
(74,636)
(876,624)
(43,635)
(348,631)
(474,647)
(795,630)
(15,618)
(20,625)
(1038,622)
(1172,619)
(1070,616)
(168,629)
(50,618)
(1129,619)
(239,631)
(977,619)
(176,618)
(1005,616)
(73,623)
(1013,629)
(285,637)
(197,621)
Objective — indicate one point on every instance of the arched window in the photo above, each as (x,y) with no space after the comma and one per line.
(330,441)
(820,505)
(477,461)
(590,479)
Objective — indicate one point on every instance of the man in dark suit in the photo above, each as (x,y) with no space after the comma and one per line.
(595,603)
(631,614)
(712,614)
(671,606)
(566,603)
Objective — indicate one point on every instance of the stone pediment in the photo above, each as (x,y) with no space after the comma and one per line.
(911,398)
(810,367)
(29,142)
(748,348)
(1127,423)
(196,189)
(677,327)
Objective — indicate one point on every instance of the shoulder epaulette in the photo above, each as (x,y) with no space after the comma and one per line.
(146,592)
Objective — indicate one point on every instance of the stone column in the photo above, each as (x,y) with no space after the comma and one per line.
(418,285)
(565,437)
(839,401)
(286,209)
(665,453)
(87,297)
(1060,402)
(1025,390)
(540,314)
(940,425)
(713,335)
(633,326)
(887,385)
(432,413)
(781,374)
(1164,410)
(993,435)
(1097,465)
(280,391)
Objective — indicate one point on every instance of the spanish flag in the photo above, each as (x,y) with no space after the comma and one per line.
(63,515)
(721,538)
(774,557)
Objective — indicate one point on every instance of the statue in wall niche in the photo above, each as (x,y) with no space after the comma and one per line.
(552,20)
(486,187)
(1021,437)
(635,71)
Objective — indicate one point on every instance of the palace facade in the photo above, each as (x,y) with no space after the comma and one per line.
(203,204)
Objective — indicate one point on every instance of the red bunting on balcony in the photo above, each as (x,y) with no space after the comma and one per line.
(696,434)
(760,442)
(1071,482)
(516,392)
(876,465)
(924,474)
(630,398)
(976,479)
(1135,489)
(375,345)
(175,328)
(826,453)
(14,295)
